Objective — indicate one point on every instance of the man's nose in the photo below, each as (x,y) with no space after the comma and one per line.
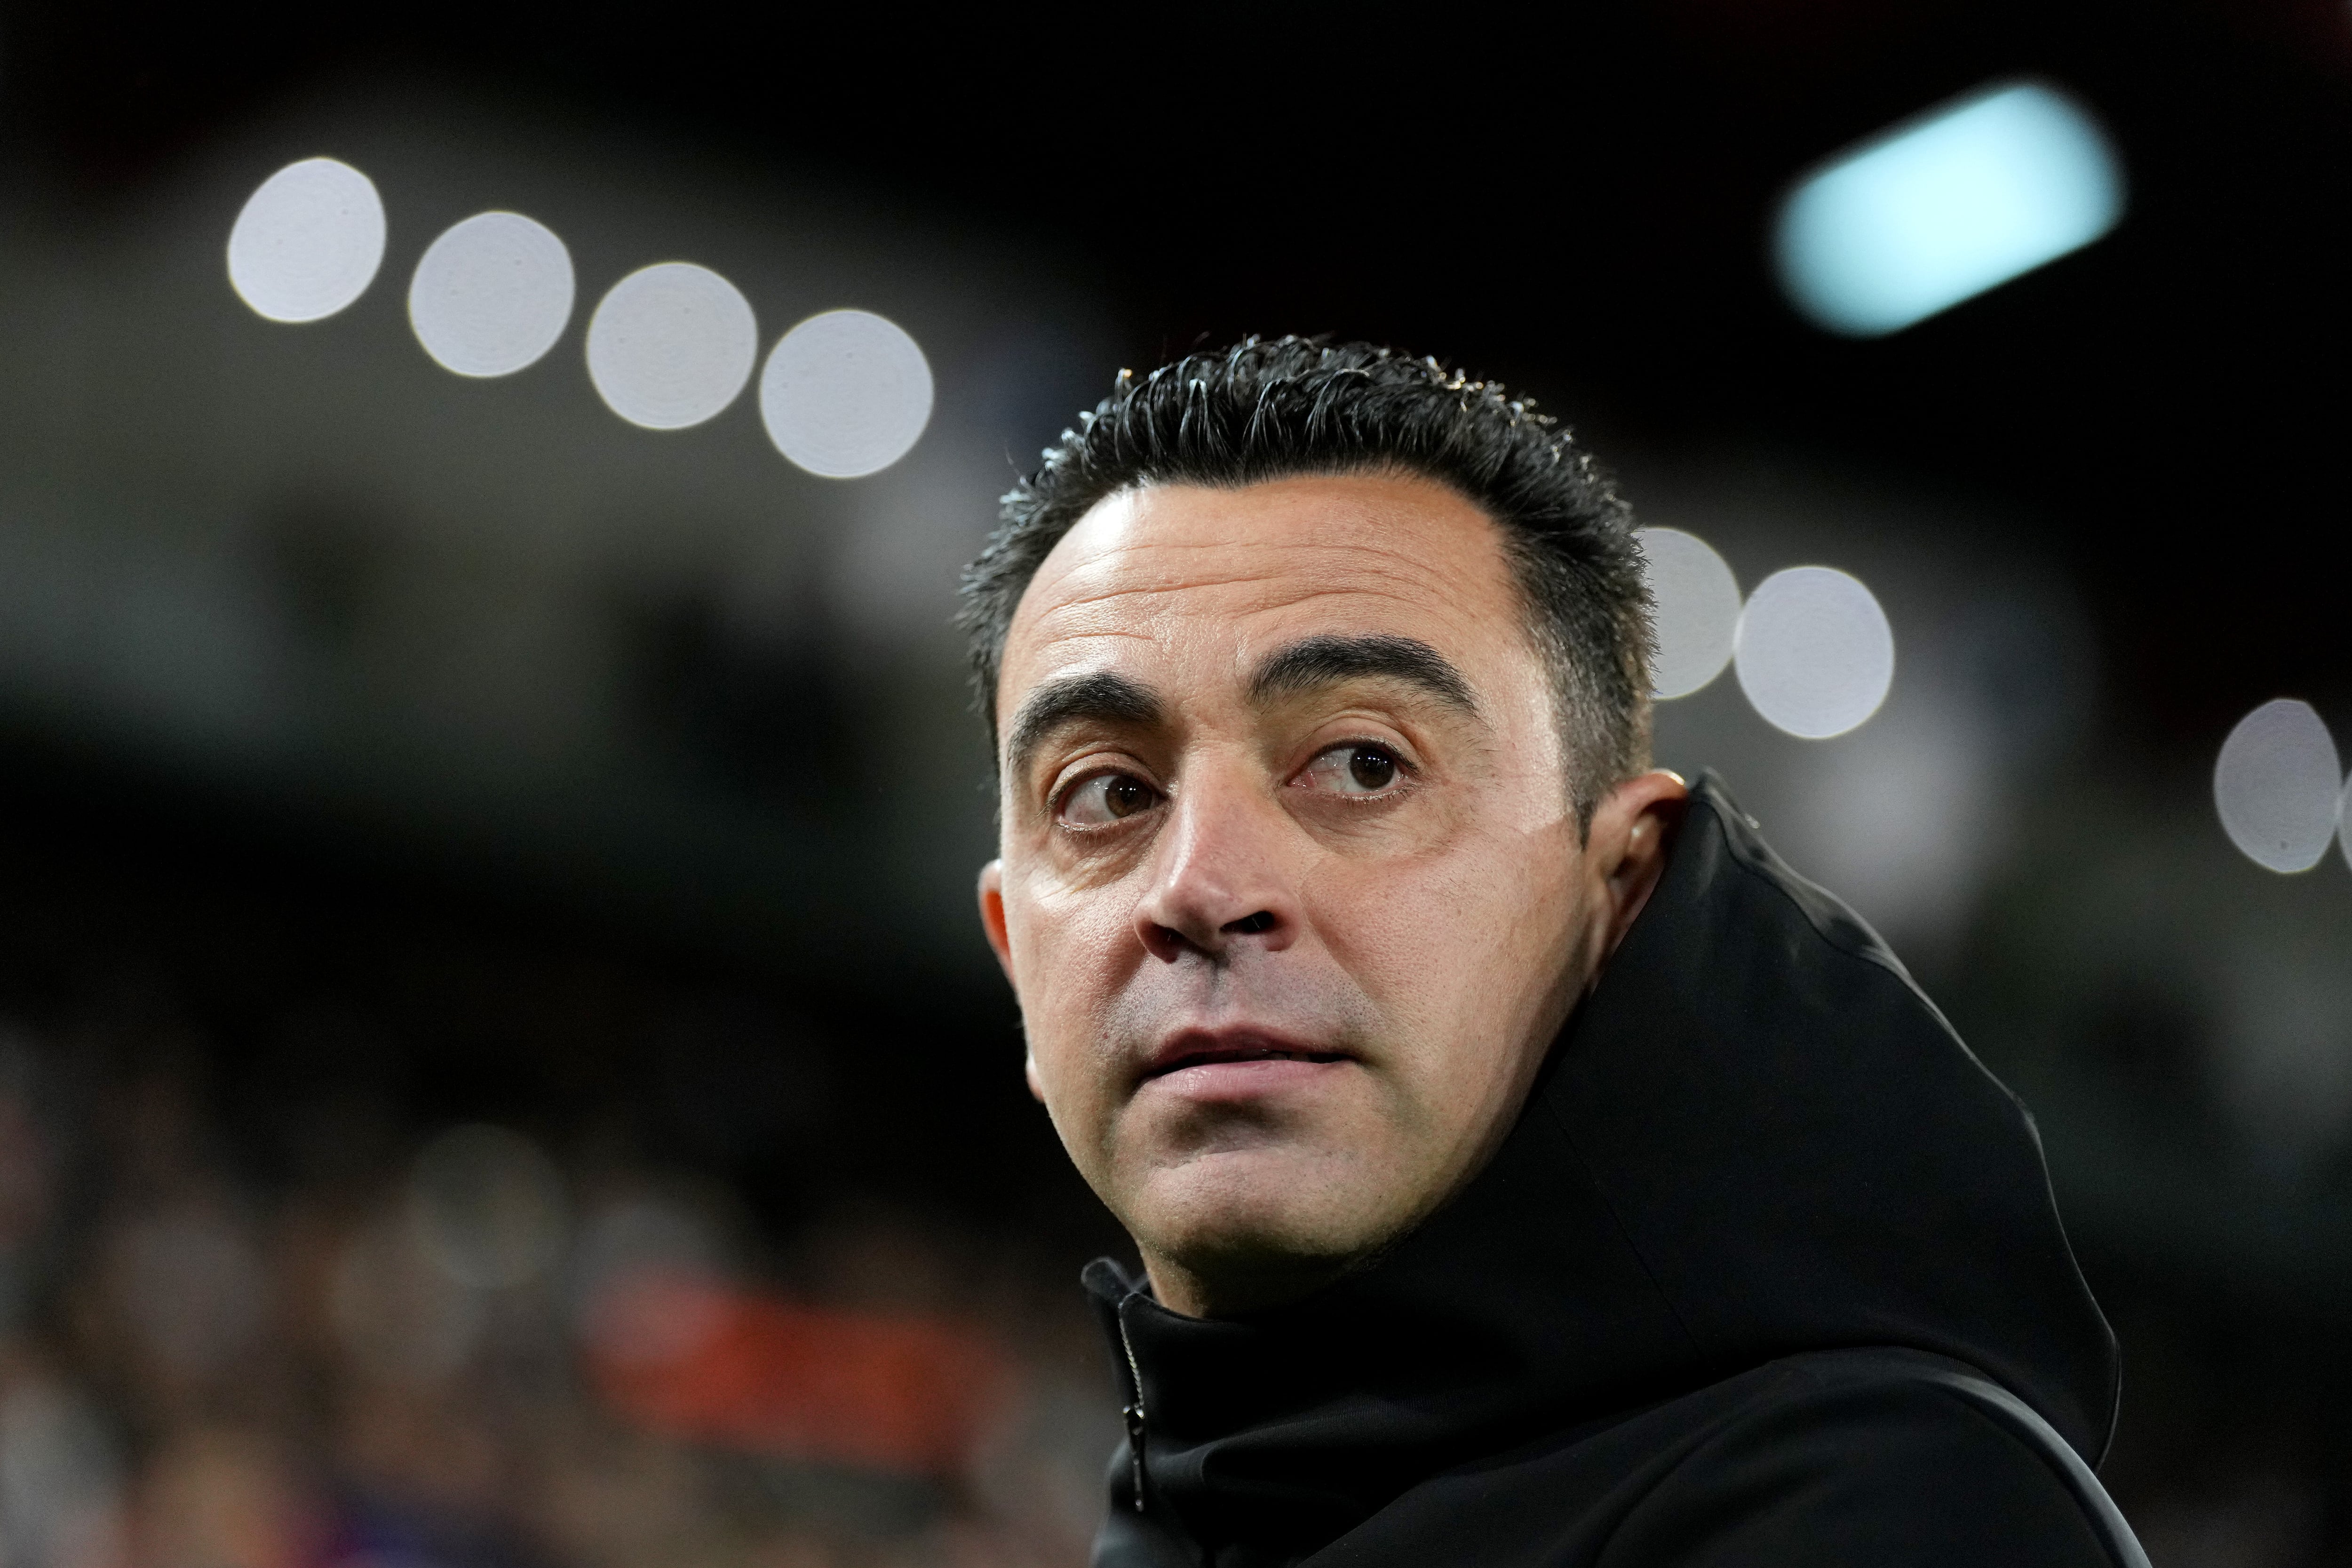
(1221,878)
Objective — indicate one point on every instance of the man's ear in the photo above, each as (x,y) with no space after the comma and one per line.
(1632,828)
(1000,941)
(992,917)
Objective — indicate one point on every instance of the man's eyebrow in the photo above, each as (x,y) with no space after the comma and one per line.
(1319,661)
(1098,696)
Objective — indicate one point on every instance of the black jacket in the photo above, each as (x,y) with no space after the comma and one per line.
(1768,1272)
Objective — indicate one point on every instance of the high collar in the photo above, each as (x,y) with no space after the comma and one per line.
(1755,1138)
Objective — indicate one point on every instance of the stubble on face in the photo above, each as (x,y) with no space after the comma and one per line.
(1290,882)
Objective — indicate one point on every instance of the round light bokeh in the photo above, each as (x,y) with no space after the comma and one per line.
(1694,611)
(671,345)
(846,394)
(491,295)
(307,242)
(1815,653)
(2344,822)
(2278,786)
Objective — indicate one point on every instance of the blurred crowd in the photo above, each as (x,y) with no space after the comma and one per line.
(464,1347)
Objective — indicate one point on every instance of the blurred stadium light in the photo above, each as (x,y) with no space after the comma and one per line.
(1910,815)
(2279,785)
(307,242)
(1815,652)
(311,564)
(1695,610)
(846,394)
(671,345)
(2344,822)
(1941,208)
(492,295)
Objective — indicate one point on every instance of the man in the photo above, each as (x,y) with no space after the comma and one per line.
(1525,1166)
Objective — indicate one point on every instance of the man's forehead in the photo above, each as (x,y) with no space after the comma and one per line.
(1228,573)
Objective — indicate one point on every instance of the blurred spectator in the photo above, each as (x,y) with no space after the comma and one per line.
(472,1357)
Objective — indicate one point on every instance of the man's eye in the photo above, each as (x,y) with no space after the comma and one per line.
(1107,798)
(1357,768)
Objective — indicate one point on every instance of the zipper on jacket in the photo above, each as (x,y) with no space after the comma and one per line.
(1134,1412)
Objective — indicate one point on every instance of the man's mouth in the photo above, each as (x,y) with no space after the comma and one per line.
(1205,1048)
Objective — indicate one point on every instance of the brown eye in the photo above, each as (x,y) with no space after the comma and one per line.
(1358,768)
(1107,798)
(1371,770)
(1125,798)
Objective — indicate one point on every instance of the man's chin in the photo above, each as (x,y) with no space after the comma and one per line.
(1279,1216)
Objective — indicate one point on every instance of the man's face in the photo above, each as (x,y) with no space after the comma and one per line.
(1291,885)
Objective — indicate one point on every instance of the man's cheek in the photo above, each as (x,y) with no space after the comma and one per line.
(1062,928)
(1393,937)
(1073,1041)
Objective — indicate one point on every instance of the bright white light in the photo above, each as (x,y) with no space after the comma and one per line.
(1695,609)
(1815,653)
(671,345)
(2344,822)
(1942,208)
(491,295)
(2278,786)
(307,242)
(846,394)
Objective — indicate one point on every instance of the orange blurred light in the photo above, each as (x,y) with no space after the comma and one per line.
(701,1362)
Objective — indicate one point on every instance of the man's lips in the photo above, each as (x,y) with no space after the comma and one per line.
(1194,1049)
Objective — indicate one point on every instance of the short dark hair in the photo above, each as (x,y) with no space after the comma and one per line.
(1291,406)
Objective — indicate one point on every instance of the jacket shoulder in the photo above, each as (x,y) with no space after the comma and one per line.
(1874,1459)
